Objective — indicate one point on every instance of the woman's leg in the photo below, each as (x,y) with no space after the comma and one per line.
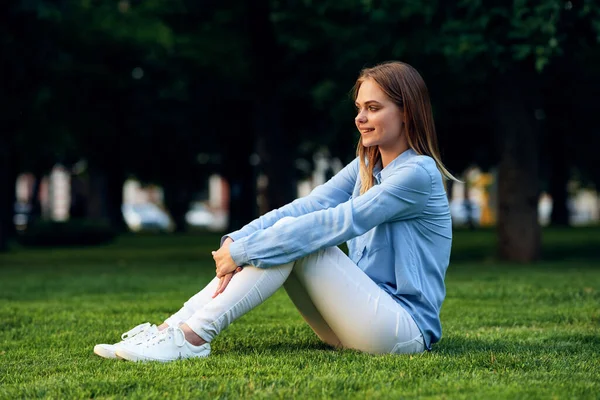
(202,298)
(297,293)
(195,303)
(143,332)
(246,290)
(192,338)
(341,303)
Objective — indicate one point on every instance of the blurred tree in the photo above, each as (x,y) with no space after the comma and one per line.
(206,80)
(571,87)
(7,192)
(275,149)
(102,46)
(32,137)
(123,86)
(170,91)
(485,62)
(334,40)
(513,42)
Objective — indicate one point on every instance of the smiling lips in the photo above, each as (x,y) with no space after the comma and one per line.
(366,130)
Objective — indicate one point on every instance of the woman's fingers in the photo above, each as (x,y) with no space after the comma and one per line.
(223,284)
(226,281)
(218,288)
(222,273)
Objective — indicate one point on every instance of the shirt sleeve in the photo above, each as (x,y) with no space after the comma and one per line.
(333,192)
(402,195)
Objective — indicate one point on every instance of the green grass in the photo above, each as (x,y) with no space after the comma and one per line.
(510,331)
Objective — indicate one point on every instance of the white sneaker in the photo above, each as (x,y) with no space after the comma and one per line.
(133,337)
(168,345)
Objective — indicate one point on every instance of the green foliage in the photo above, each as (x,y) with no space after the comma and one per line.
(510,331)
(143,87)
(190,57)
(70,233)
(503,34)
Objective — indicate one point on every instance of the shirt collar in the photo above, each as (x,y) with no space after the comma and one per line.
(380,174)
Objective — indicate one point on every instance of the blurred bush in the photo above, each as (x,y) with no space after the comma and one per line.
(82,232)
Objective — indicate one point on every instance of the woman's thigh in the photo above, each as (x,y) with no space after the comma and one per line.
(361,314)
(297,293)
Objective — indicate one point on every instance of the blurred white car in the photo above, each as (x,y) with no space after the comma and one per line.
(21,215)
(146,216)
(200,216)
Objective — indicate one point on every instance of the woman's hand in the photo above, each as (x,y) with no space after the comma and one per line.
(223,260)
(226,267)
(224,281)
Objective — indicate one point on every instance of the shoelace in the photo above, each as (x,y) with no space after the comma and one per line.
(135,331)
(171,333)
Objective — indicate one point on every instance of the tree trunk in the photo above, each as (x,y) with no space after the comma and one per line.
(519,233)
(114,200)
(79,197)
(106,197)
(7,194)
(178,196)
(561,128)
(276,153)
(242,197)
(559,177)
(35,213)
(97,195)
(239,173)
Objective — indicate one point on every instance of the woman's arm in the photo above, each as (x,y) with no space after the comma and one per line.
(403,195)
(333,192)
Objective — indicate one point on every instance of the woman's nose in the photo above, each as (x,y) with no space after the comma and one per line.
(361,117)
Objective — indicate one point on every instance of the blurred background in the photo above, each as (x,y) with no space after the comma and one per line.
(193,116)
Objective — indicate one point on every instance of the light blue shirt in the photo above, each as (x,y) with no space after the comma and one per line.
(399,232)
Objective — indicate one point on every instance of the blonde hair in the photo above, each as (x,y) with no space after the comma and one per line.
(405,87)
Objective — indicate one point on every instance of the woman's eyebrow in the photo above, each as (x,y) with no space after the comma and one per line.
(368,102)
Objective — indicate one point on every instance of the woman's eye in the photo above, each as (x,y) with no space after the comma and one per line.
(371,108)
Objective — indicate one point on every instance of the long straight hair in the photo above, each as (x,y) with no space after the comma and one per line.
(406,88)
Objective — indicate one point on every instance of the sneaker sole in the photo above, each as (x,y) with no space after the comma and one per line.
(102,352)
(129,356)
(125,355)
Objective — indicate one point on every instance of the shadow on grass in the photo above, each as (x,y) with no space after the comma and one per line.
(557,343)
(456,346)
(275,347)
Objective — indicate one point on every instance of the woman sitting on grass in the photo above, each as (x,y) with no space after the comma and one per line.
(389,205)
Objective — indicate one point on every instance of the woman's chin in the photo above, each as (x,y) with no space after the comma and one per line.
(368,143)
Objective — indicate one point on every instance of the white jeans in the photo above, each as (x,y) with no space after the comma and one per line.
(339,301)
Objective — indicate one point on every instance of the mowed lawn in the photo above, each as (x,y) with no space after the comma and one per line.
(510,331)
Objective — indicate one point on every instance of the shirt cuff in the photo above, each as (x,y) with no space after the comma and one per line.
(225,238)
(237,250)
(233,235)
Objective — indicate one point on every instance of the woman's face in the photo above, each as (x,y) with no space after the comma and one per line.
(378,119)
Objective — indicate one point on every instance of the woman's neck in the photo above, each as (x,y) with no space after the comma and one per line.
(388,154)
